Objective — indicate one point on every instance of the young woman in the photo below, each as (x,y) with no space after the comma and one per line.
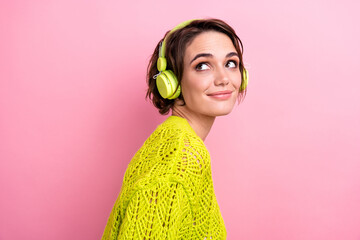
(197,72)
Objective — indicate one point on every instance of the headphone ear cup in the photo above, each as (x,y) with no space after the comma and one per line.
(167,83)
(245,80)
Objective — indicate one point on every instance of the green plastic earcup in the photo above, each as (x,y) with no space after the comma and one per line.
(245,80)
(167,83)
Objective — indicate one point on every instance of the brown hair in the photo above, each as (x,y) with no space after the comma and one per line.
(176,44)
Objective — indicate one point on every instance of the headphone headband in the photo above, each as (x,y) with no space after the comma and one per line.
(163,44)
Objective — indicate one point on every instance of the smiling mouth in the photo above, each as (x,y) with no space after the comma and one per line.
(221,95)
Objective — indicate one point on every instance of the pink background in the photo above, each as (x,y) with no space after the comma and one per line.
(286,162)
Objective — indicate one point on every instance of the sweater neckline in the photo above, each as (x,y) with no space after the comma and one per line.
(184,123)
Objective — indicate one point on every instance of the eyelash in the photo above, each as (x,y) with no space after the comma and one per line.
(202,63)
(199,65)
(235,62)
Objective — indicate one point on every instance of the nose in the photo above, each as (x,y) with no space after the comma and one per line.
(221,77)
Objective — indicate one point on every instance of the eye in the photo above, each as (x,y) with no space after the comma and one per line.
(231,64)
(202,66)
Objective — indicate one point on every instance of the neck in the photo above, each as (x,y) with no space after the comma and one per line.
(200,123)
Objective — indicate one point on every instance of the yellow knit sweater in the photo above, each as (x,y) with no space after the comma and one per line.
(167,191)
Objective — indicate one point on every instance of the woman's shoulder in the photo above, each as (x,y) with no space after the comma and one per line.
(173,128)
(172,153)
(176,129)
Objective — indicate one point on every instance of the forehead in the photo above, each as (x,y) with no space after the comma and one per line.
(213,42)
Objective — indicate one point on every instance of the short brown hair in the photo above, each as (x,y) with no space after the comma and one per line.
(176,44)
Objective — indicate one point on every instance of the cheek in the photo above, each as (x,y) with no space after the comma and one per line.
(237,80)
(191,90)
(194,84)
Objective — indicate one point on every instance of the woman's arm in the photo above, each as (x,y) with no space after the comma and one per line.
(158,212)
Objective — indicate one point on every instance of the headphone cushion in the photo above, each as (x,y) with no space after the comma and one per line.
(245,79)
(166,83)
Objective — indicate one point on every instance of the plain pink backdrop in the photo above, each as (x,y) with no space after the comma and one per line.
(286,161)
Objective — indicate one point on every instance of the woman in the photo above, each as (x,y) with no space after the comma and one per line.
(197,72)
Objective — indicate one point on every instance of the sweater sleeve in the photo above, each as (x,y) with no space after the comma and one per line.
(159,212)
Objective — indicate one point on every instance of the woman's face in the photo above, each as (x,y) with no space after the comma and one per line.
(211,66)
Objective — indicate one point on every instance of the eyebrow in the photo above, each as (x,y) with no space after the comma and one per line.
(211,56)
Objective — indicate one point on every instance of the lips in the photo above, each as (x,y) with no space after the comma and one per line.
(220,93)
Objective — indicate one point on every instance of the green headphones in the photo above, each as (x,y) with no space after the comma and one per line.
(167,82)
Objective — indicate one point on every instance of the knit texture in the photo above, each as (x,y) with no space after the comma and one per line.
(167,191)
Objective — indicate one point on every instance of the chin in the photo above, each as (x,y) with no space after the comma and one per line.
(224,114)
(214,109)
(221,112)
